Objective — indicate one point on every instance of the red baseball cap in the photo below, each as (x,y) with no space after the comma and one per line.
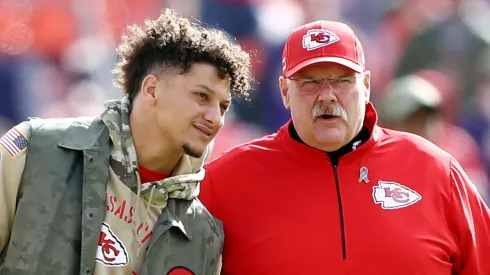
(322,41)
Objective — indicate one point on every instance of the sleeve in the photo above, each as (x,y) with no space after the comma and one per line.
(471,225)
(470,159)
(13,152)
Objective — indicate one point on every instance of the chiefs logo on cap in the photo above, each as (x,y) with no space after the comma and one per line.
(180,270)
(315,39)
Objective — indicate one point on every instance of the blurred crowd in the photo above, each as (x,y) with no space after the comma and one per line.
(430,62)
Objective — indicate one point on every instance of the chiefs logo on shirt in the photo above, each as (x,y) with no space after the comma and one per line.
(315,39)
(111,250)
(392,195)
(179,270)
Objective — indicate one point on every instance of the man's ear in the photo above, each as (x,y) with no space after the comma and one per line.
(367,84)
(148,89)
(284,87)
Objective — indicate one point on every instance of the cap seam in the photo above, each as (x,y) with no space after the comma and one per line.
(287,54)
(355,48)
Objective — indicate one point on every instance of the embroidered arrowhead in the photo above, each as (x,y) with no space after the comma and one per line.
(392,195)
(315,39)
(111,250)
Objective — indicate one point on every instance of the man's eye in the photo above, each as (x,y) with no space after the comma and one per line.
(202,96)
(224,107)
(345,79)
(311,82)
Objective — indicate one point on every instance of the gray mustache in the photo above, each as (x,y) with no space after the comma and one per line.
(331,109)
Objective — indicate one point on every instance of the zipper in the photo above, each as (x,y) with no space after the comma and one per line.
(335,164)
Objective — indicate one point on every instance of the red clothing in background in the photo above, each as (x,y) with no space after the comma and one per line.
(457,142)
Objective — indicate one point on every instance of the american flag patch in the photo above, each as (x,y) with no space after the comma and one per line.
(13,142)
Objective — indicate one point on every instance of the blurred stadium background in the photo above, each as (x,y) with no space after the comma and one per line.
(430,62)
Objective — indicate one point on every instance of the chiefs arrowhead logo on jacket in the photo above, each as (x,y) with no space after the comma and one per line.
(111,250)
(392,195)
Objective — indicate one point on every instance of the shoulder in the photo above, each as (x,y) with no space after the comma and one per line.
(15,142)
(249,152)
(410,143)
(45,134)
(24,136)
(409,146)
(58,124)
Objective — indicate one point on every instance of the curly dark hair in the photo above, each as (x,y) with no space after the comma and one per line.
(174,42)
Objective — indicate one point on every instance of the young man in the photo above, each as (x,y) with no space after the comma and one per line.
(332,192)
(116,194)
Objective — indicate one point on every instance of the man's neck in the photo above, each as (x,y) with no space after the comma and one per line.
(153,152)
(362,136)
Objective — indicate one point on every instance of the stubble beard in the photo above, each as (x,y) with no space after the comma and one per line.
(188,150)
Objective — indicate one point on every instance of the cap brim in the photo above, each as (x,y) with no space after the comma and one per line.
(342,61)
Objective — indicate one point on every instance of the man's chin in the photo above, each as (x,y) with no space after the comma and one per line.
(332,139)
(192,151)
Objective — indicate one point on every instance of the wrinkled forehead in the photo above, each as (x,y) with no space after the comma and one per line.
(324,69)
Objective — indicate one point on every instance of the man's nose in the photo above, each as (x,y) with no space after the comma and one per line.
(327,93)
(214,115)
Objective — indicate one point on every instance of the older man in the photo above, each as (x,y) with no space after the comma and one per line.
(332,192)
